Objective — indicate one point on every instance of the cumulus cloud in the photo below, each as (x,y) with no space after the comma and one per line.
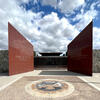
(84,18)
(96,38)
(19,18)
(65,6)
(24,1)
(50,2)
(48,33)
(54,33)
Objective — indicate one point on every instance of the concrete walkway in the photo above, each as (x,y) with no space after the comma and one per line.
(6,80)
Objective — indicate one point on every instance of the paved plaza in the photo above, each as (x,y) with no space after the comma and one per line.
(84,87)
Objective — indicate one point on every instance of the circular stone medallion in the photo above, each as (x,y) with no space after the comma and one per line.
(49,88)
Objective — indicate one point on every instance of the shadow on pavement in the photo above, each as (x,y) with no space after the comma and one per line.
(60,73)
(4,74)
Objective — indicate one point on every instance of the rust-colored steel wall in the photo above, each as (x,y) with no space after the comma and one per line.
(80,52)
(20,52)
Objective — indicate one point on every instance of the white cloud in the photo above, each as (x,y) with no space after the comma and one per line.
(66,6)
(96,38)
(98,5)
(85,18)
(35,1)
(70,5)
(18,17)
(50,2)
(54,33)
(24,1)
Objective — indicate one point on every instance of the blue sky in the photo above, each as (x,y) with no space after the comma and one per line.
(49,25)
(47,9)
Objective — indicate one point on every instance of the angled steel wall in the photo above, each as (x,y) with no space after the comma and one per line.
(80,52)
(20,52)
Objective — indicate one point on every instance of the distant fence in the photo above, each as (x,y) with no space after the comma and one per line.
(50,60)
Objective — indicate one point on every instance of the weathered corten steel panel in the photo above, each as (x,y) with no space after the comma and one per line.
(80,52)
(20,52)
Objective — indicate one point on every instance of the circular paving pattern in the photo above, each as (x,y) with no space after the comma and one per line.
(49,88)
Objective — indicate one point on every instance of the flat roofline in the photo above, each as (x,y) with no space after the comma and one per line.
(51,56)
(51,52)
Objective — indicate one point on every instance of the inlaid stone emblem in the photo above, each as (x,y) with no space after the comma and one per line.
(49,88)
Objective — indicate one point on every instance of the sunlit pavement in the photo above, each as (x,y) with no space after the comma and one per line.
(95,79)
(85,87)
